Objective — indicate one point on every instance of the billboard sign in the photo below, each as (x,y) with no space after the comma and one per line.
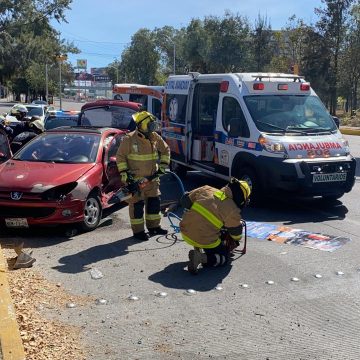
(102,71)
(84,76)
(81,63)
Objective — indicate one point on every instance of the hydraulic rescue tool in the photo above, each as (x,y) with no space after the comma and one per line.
(133,187)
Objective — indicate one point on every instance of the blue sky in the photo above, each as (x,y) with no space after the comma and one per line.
(102,29)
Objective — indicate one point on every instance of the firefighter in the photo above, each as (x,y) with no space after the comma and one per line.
(208,212)
(138,157)
(26,131)
(19,111)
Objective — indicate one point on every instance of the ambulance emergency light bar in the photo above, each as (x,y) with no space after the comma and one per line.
(275,76)
(261,86)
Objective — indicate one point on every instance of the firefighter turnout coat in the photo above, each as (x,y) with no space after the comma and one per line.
(211,211)
(141,157)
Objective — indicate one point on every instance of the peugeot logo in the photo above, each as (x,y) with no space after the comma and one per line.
(15,195)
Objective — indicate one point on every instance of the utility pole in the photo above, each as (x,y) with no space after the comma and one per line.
(46,83)
(60,58)
(174,58)
(60,84)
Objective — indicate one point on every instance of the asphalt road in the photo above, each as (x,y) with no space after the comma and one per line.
(314,318)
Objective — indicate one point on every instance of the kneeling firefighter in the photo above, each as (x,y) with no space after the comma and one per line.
(137,158)
(208,212)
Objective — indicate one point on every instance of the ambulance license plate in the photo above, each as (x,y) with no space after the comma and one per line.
(16,223)
(319,178)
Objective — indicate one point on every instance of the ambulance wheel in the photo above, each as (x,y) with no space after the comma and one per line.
(249,175)
(178,169)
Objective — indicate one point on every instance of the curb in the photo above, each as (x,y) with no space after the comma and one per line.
(11,346)
(350,131)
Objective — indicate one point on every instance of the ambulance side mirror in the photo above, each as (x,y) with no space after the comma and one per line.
(337,121)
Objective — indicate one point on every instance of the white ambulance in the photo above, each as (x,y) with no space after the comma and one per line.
(269,129)
(149,96)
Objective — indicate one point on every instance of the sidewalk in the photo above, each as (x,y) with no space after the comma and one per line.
(350,130)
(11,344)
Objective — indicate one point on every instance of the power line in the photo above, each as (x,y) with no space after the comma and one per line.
(101,42)
(97,54)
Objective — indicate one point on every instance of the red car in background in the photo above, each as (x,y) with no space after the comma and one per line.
(63,176)
(109,113)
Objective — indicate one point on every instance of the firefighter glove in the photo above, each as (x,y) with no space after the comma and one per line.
(162,169)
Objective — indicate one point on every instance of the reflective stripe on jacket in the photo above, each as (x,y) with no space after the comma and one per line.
(140,156)
(212,210)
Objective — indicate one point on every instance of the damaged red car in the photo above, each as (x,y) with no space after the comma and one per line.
(63,176)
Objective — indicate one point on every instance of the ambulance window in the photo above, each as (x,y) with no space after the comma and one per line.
(232,113)
(142,99)
(205,108)
(156,108)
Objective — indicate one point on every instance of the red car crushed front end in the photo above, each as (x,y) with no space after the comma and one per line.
(63,176)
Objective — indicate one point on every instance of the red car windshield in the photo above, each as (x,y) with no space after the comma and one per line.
(63,148)
(109,116)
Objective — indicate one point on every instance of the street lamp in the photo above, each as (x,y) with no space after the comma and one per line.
(60,58)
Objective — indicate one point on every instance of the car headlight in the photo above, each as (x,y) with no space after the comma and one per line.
(271,146)
(345,145)
(59,192)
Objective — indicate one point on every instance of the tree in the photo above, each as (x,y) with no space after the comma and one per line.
(315,63)
(28,39)
(349,62)
(29,11)
(228,43)
(296,32)
(195,46)
(332,26)
(262,43)
(141,60)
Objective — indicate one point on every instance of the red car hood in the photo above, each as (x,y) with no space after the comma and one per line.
(38,176)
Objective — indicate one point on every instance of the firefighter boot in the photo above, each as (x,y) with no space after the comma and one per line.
(142,236)
(196,257)
(24,261)
(157,231)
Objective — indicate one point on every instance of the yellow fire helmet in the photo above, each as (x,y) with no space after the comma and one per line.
(241,192)
(145,121)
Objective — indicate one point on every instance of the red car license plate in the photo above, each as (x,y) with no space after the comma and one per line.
(16,223)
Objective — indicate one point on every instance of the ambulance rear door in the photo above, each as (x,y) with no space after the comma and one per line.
(175,126)
(204,108)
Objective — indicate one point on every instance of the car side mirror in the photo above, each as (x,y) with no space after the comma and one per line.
(337,121)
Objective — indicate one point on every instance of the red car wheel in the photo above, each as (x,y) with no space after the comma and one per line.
(92,213)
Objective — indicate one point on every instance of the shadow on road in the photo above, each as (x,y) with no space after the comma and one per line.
(78,262)
(175,276)
(294,212)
